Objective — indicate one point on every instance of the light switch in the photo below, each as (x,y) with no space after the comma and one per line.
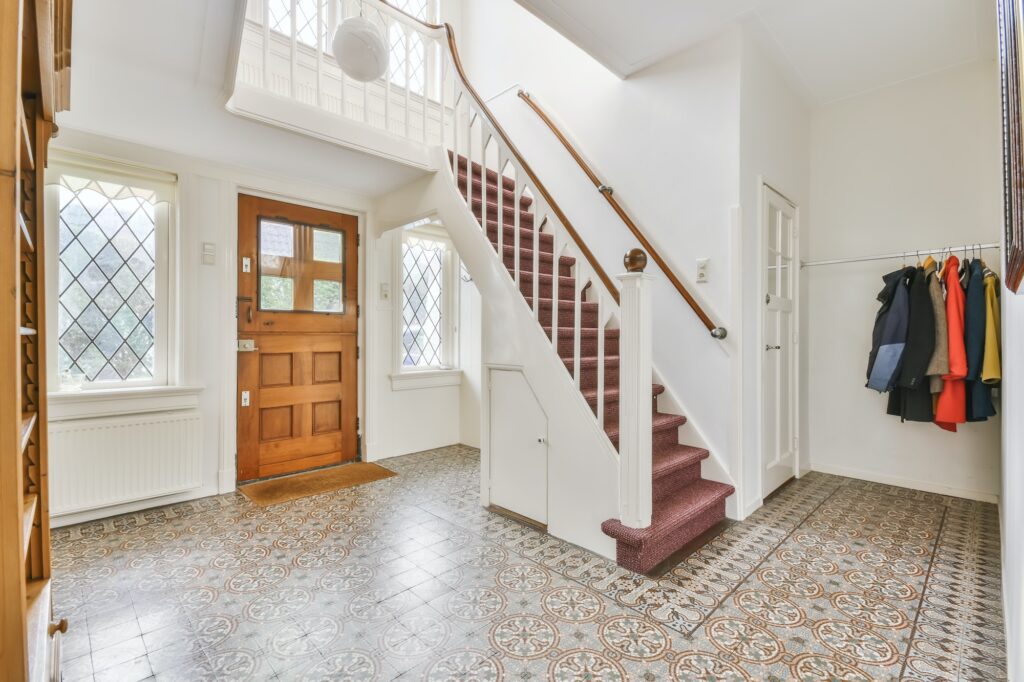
(702,270)
(246,264)
(209,253)
(245,398)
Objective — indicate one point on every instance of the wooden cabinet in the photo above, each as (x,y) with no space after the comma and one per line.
(35,41)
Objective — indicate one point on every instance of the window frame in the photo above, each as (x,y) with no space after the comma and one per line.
(165,340)
(449,304)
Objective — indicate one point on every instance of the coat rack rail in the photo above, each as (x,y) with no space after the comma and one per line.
(909,254)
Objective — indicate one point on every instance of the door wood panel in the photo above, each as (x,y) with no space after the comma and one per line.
(302,378)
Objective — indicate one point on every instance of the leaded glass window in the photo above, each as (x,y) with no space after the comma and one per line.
(108,237)
(423,302)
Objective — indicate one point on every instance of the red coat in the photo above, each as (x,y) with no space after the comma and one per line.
(952,405)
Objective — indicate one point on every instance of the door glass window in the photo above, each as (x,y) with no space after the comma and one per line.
(301,268)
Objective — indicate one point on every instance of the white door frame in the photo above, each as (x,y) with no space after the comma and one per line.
(763,191)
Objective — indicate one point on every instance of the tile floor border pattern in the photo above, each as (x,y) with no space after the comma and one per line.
(694,622)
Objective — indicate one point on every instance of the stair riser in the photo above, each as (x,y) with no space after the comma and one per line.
(588,344)
(665,438)
(588,377)
(526,263)
(566,317)
(611,409)
(525,217)
(508,195)
(546,241)
(566,290)
(668,486)
(644,559)
(492,176)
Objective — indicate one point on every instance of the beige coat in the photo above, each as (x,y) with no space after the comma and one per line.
(939,364)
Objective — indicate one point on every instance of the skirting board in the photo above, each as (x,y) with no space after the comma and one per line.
(129,507)
(913,484)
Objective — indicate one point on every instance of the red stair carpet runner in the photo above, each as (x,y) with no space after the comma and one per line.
(685,505)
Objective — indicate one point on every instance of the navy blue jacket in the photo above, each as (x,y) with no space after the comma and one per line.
(889,337)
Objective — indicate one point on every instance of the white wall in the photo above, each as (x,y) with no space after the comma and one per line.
(774,148)
(405,418)
(1011,509)
(915,165)
(471,362)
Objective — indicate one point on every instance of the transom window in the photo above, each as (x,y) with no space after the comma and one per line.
(427,324)
(111,278)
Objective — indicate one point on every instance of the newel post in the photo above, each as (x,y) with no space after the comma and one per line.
(635,376)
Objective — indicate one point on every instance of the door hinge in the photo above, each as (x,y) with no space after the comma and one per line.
(357,423)
(359,239)
(358,353)
(359,310)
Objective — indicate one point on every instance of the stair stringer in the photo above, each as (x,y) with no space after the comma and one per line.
(582,463)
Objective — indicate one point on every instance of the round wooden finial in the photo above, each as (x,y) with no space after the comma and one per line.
(635,260)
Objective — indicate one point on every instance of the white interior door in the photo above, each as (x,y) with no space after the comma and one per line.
(518,446)
(779,365)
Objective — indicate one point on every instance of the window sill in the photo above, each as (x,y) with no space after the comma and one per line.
(428,378)
(93,403)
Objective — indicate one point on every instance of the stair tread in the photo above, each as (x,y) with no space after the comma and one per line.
(612,394)
(545,256)
(585,332)
(546,278)
(671,512)
(587,362)
(672,458)
(660,421)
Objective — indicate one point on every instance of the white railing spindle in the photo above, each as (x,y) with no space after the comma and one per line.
(294,47)
(266,44)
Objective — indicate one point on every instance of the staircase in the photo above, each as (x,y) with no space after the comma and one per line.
(684,504)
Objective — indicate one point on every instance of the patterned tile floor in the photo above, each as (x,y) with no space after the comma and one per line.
(833,579)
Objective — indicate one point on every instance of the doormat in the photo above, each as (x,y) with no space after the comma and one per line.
(288,488)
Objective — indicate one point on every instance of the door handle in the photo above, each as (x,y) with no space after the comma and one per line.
(540,440)
(773,347)
(248,315)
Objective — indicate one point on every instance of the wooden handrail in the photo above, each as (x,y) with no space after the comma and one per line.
(457,62)
(606,192)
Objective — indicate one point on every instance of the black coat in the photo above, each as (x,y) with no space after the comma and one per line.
(911,397)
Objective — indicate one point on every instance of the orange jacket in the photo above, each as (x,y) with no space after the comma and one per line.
(952,405)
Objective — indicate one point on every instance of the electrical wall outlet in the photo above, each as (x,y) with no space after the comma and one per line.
(702,270)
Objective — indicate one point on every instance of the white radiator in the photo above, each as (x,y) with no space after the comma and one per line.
(97,463)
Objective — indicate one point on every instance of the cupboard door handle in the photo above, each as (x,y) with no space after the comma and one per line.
(60,626)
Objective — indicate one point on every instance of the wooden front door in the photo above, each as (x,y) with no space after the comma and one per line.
(297,323)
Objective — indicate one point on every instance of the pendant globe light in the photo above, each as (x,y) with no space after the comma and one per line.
(360,49)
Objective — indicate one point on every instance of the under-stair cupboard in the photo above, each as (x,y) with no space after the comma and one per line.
(35,41)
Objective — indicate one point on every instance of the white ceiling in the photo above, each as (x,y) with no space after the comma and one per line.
(153,72)
(834,48)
